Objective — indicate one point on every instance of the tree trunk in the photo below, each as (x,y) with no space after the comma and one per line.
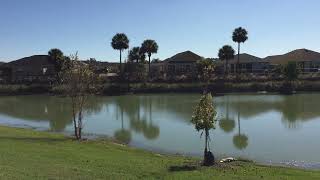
(120,68)
(206,144)
(149,67)
(238,61)
(80,124)
(227,66)
(75,129)
(239,123)
(74,119)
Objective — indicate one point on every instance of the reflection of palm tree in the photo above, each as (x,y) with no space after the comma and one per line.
(226,124)
(240,141)
(137,123)
(123,135)
(151,131)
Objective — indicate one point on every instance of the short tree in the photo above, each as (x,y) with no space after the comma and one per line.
(204,119)
(225,54)
(205,68)
(79,82)
(290,71)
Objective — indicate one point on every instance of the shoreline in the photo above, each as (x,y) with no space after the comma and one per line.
(37,154)
(217,88)
(97,137)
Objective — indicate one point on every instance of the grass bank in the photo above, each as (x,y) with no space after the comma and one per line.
(27,154)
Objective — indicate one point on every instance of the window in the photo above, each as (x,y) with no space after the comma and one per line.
(188,68)
(44,70)
(171,68)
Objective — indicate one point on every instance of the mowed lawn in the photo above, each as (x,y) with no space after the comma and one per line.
(28,154)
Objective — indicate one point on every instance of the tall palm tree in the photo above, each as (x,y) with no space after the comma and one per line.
(240,35)
(120,42)
(226,53)
(150,47)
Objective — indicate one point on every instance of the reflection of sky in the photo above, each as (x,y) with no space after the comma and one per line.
(15,122)
(271,137)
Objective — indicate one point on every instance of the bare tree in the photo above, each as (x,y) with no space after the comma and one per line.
(79,82)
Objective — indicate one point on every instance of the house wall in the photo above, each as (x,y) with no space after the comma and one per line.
(30,73)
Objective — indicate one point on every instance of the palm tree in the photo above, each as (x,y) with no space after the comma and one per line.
(136,54)
(56,55)
(120,42)
(150,47)
(226,53)
(240,35)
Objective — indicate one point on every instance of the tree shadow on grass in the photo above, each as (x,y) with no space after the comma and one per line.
(183,168)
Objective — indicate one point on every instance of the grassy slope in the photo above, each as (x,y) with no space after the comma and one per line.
(26,154)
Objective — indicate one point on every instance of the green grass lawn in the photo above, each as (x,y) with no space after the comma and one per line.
(28,154)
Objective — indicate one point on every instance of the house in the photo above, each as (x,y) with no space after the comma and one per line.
(183,63)
(5,73)
(248,64)
(37,68)
(308,61)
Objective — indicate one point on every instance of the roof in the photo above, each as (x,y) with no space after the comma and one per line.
(36,60)
(245,58)
(186,56)
(298,55)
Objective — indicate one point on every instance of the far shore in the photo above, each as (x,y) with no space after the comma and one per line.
(217,88)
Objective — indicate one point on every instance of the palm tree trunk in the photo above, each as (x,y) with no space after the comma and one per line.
(149,67)
(238,61)
(120,68)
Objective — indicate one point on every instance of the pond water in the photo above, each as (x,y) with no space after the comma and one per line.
(273,129)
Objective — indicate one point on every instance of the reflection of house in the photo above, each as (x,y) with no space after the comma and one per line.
(38,68)
(308,61)
(248,64)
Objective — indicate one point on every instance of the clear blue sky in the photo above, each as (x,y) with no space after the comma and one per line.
(30,27)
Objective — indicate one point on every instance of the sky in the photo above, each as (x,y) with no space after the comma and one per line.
(29,27)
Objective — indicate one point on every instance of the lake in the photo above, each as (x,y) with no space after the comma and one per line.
(270,129)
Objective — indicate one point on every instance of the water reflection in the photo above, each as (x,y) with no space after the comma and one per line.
(240,141)
(135,113)
(226,123)
(294,109)
(140,124)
